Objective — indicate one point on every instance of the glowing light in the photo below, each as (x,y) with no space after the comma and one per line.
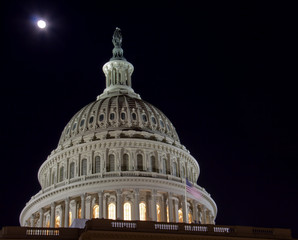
(41,24)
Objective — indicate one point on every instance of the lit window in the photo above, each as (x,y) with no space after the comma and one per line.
(80,213)
(70,218)
(95,211)
(180,215)
(168,216)
(142,208)
(158,213)
(112,211)
(189,217)
(57,222)
(127,211)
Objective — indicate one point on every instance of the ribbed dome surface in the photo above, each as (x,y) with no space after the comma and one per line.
(115,113)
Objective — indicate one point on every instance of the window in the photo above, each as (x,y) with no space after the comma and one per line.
(97,164)
(180,215)
(139,162)
(189,217)
(69,219)
(164,166)
(61,176)
(127,211)
(91,119)
(153,120)
(57,222)
(71,170)
(82,122)
(112,211)
(95,211)
(161,123)
(101,117)
(125,163)
(144,117)
(152,163)
(122,115)
(158,213)
(168,216)
(183,172)
(134,116)
(74,126)
(111,166)
(112,116)
(142,209)
(174,169)
(84,167)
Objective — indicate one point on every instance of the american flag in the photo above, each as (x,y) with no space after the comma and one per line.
(192,190)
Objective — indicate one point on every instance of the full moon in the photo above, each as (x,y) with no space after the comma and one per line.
(41,24)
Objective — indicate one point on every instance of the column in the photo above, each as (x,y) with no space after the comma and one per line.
(137,202)
(170,207)
(119,205)
(52,219)
(184,210)
(66,213)
(40,218)
(195,212)
(100,204)
(153,205)
(83,206)
(204,215)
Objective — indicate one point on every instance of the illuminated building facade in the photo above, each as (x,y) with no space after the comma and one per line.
(119,157)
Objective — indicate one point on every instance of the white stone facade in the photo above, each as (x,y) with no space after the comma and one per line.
(118,157)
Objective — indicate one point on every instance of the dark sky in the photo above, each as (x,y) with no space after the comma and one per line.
(224,73)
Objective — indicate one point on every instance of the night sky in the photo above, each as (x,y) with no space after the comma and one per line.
(224,73)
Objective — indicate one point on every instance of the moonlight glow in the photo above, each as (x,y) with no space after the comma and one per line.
(41,24)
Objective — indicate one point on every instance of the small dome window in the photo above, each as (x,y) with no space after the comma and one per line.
(101,117)
(122,115)
(144,117)
(67,130)
(82,122)
(91,119)
(161,123)
(153,120)
(168,127)
(112,116)
(74,126)
(134,116)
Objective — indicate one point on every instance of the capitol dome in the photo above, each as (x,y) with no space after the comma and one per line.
(119,157)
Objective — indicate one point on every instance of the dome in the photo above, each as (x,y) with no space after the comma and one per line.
(121,115)
(119,157)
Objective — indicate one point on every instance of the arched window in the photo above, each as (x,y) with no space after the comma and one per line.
(125,163)
(127,211)
(111,166)
(152,164)
(174,169)
(71,170)
(112,211)
(164,166)
(84,167)
(95,211)
(180,215)
(53,178)
(183,172)
(139,162)
(97,164)
(57,222)
(158,213)
(142,209)
(61,175)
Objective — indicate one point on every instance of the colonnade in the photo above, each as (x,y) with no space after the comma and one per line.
(137,204)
